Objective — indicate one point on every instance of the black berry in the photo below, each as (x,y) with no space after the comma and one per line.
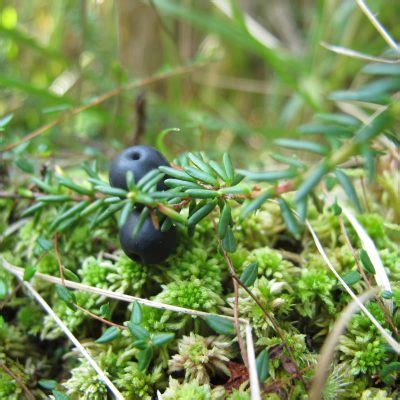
(149,246)
(138,159)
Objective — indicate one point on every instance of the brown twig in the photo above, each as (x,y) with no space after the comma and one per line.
(60,266)
(140,111)
(266,313)
(29,395)
(236,322)
(106,321)
(102,98)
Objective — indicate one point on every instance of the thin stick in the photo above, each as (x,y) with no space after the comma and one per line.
(361,270)
(252,368)
(378,26)
(381,277)
(356,54)
(237,324)
(328,349)
(70,335)
(393,343)
(29,395)
(102,98)
(113,295)
(106,321)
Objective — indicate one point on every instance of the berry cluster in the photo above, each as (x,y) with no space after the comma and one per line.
(149,245)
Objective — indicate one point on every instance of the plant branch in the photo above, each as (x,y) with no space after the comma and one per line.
(29,395)
(266,313)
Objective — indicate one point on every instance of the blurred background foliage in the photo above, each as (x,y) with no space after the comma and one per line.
(57,55)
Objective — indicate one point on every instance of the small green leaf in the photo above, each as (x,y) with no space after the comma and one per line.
(255,204)
(5,121)
(151,183)
(29,272)
(65,294)
(301,208)
(109,334)
(111,191)
(60,395)
(144,358)
(202,193)
(56,198)
(138,331)
(302,145)
(220,325)
(142,219)
(289,218)
(107,213)
(105,311)
(202,176)
(229,242)
(92,207)
(178,183)
(126,210)
(48,384)
(366,262)
(32,209)
(387,294)
(312,180)
(270,176)
(224,220)
(25,165)
(130,180)
(166,225)
(262,364)
(218,170)
(249,275)
(336,209)
(236,190)
(141,344)
(390,373)
(3,289)
(201,213)
(159,339)
(229,170)
(200,164)
(177,174)
(148,178)
(73,186)
(349,189)
(351,277)
(136,314)
(171,213)
(44,243)
(70,275)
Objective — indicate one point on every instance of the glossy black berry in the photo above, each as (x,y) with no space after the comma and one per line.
(138,159)
(149,246)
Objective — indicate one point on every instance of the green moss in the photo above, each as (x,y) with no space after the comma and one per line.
(187,391)
(201,358)
(138,385)
(9,389)
(198,263)
(314,289)
(190,294)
